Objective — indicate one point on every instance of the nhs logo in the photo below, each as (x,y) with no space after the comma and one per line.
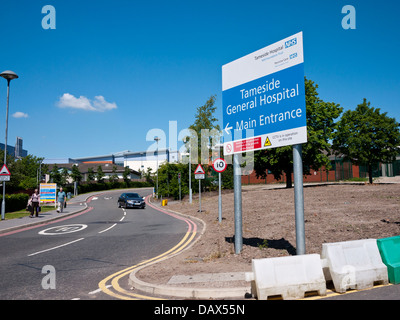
(290,42)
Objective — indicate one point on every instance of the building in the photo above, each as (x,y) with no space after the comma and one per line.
(138,161)
(17,151)
(108,168)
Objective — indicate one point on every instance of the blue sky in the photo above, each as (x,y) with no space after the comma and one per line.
(113,70)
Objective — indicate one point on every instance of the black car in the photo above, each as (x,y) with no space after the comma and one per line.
(131,200)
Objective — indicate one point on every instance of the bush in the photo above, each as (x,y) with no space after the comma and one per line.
(15,202)
(168,179)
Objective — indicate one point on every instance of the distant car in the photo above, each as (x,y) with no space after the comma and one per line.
(131,200)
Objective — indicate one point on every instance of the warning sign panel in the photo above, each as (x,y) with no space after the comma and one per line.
(4,171)
(267,142)
(199,170)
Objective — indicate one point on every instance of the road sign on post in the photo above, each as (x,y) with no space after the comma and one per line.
(48,193)
(263,95)
(264,92)
(5,173)
(219,166)
(199,174)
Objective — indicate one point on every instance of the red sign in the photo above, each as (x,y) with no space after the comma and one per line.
(219,165)
(199,170)
(4,171)
(247,144)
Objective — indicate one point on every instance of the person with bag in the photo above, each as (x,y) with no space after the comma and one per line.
(35,205)
(61,199)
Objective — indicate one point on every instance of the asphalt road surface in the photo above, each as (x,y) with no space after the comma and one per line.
(67,259)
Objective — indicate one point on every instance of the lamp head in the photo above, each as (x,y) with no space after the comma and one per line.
(9,75)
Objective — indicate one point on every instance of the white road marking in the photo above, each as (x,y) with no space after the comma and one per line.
(99,290)
(108,228)
(122,218)
(63,245)
(63,229)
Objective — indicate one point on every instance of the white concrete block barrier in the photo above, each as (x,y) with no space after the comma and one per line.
(353,264)
(289,277)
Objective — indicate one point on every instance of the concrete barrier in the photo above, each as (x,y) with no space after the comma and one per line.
(289,277)
(354,264)
(389,249)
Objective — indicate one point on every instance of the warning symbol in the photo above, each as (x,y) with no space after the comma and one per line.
(267,143)
(199,170)
(4,171)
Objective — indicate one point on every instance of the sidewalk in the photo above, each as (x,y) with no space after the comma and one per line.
(194,286)
(74,206)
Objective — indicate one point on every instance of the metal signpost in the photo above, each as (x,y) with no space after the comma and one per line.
(179,182)
(264,93)
(219,166)
(199,174)
(5,174)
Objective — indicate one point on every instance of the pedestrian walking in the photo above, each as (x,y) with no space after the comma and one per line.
(35,203)
(61,198)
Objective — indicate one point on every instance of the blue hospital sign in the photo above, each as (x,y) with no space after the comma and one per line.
(264,98)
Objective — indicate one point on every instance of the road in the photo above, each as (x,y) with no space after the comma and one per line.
(74,258)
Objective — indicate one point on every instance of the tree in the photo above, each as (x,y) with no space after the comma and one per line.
(55,175)
(91,175)
(114,177)
(64,176)
(366,136)
(320,127)
(100,174)
(25,172)
(76,175)
(168,184)
(205,131)
(126,175)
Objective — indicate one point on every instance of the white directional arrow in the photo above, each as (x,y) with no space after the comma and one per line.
(228,129)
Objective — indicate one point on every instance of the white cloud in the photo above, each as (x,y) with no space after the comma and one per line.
(20,114)
(102,105)
(99,104)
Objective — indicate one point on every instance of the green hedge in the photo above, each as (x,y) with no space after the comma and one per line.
(15,202)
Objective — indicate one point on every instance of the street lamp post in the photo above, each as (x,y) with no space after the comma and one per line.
(157,139)
(8,75)
(187,139)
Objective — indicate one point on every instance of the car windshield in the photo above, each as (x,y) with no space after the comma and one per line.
(132,195)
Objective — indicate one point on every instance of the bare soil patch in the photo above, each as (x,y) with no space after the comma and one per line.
(332,213)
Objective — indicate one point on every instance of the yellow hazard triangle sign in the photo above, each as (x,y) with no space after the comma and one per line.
(267,143)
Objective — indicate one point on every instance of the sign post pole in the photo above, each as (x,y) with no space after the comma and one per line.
(199,195)
(237,185)
(179,181)
(219,199)
(199,174)
(299,199)
(219,166)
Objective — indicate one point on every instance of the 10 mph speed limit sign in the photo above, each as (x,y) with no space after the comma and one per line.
(219,165)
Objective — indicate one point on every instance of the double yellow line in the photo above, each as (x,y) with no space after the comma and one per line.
(121,293)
